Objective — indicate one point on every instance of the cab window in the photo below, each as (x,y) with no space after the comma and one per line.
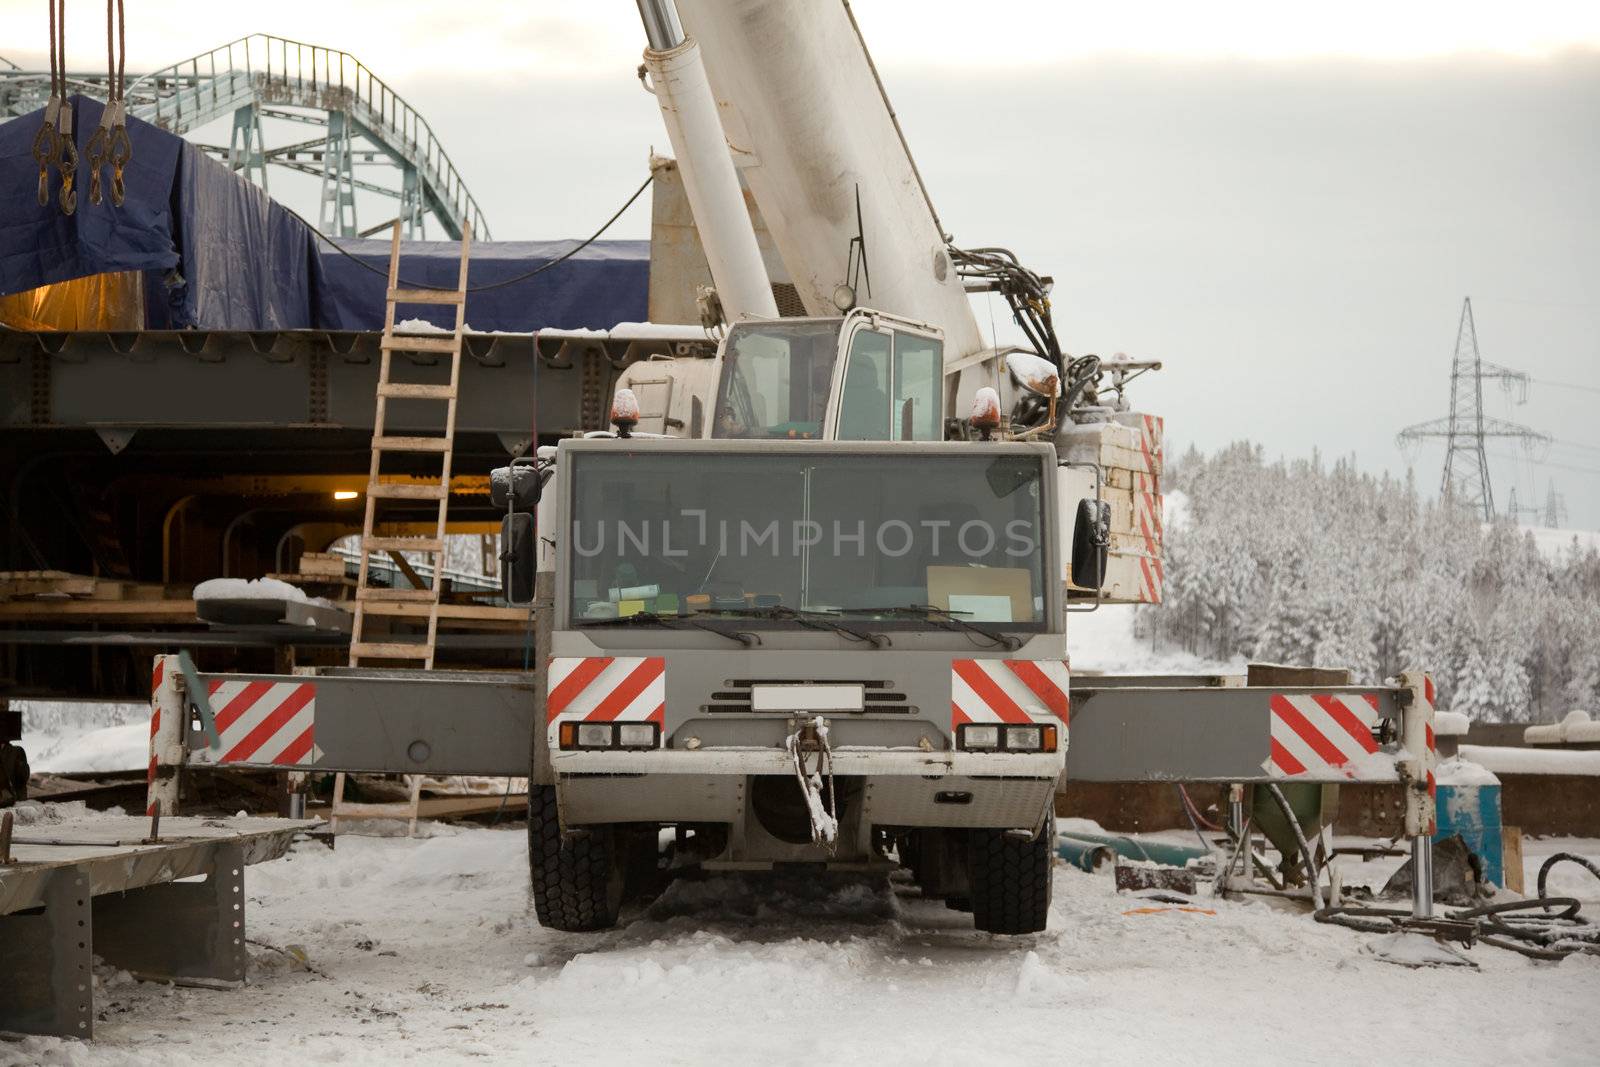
(864,406)
(918,377)
(776,380)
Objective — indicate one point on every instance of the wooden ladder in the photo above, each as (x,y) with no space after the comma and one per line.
(423,597)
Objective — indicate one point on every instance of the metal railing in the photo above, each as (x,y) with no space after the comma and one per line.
(267,71)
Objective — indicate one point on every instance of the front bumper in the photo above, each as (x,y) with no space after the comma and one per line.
(899,787)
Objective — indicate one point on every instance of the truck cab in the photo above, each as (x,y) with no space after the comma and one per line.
(797,651)
(863,376)
(867,376)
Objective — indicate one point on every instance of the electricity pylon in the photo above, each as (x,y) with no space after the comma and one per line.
(1466,428)
(1555,508)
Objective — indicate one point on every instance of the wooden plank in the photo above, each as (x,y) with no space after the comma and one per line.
(409,571)
(1511,857)
(389,650)
(411,444)
(407,491)
(416,391)
(45,583)
(370,594)
(462,612)
(322,564)
(122,610)
(404,342)
(426,296)
(403,544)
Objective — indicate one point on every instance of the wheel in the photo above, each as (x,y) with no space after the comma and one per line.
(13,773)
(1011,880)
(577,882)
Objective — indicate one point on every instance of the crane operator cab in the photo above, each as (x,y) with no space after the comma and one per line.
(867,376)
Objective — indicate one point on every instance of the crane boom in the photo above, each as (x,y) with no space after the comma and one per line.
(811,131)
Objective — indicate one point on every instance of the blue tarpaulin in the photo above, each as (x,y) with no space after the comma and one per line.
(606,283)
(217,253)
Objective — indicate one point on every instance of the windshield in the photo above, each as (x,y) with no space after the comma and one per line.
(776,378)
(910,540)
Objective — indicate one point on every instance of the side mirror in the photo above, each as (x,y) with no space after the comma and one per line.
(518,558)
(1091,538)
(518,485)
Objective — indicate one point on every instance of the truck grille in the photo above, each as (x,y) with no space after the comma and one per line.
(881,696)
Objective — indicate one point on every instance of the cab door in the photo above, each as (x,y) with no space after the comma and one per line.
(891,387)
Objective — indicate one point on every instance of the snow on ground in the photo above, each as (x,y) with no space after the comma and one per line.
(426,951)
(1103,642)
(1553,542)
(68,738)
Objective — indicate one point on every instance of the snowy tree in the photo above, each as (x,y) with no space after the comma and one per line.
(1297,561)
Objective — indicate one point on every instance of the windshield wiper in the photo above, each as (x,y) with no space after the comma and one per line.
(811,620)
(670,622)
(949,620)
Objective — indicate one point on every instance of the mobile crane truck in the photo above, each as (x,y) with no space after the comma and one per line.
(807,603)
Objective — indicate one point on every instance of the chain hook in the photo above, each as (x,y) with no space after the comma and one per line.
(46,146)
(68,161)
(121,152)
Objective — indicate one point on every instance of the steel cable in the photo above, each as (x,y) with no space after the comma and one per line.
(358,261)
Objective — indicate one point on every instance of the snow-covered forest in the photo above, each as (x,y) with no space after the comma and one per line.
(1300,562)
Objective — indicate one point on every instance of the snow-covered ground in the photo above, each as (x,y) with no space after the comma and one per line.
(426,951)
(65,738)
(1103,642)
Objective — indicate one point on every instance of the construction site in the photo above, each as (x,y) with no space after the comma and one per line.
(413,633)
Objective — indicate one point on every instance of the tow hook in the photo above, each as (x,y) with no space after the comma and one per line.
(808,738)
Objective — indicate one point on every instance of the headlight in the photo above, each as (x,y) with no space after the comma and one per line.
(637,735)
(630,735)
(1040,737)
(594,734)
(1023,738)
(980,736)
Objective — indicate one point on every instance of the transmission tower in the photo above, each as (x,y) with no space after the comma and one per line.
(1555,508)
(1466,428)
(1515,511)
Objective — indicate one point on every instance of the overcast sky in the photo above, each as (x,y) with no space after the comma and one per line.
(1286,202)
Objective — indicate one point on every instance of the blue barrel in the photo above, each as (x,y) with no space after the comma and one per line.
(1473,811)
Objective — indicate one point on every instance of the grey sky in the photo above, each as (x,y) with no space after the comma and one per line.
(1292,232)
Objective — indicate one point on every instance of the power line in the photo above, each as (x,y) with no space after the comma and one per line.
(1546,463)
(562,258)
(1566,385)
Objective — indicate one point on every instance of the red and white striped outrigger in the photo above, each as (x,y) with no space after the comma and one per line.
(1122,729)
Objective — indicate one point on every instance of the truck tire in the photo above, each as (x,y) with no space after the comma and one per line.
(14,774)
(577,881)
(1011,880)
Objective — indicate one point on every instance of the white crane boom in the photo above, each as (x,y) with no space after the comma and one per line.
(678,79)
(810,129)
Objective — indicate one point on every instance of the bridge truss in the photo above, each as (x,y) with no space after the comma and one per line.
(361,133)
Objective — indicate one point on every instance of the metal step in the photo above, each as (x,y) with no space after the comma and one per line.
(411,444)
(414,391)
(406,491)
(426,296)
